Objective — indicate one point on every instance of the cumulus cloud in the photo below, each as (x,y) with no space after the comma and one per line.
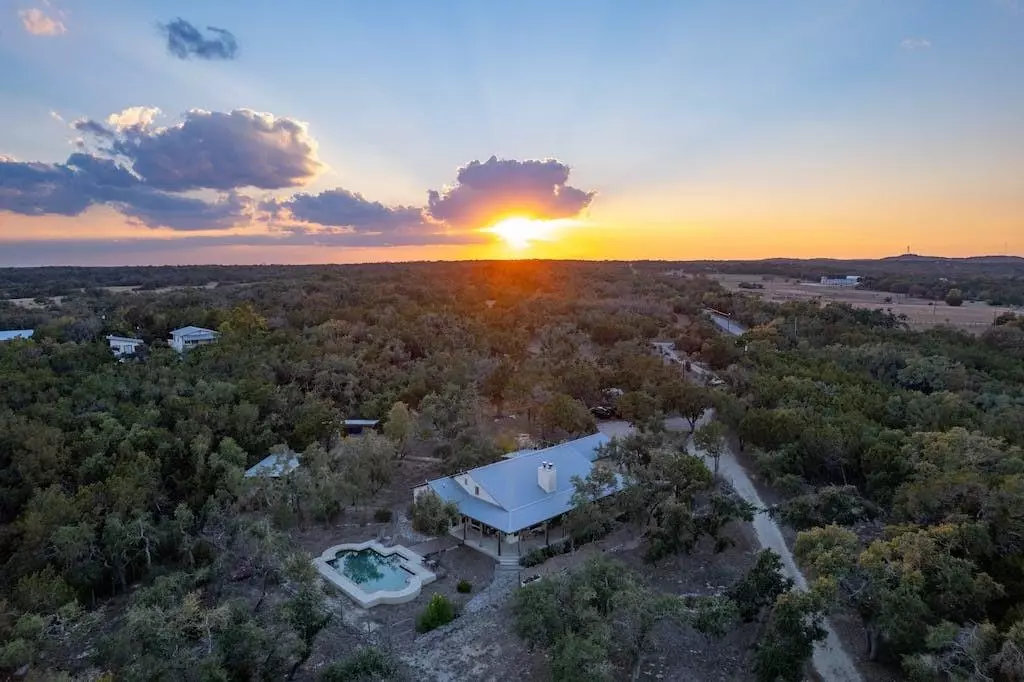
(216,150)
(342,208)
(39,23)
(188,177)
(133,117)
(915,44)
(487,191)
(185,40)
(85,180)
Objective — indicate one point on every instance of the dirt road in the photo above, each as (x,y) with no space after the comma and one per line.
(831,660)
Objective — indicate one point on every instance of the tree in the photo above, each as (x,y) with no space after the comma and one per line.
(496,384)
(954,297)
(305,610)
(400,426)
(563,416)
(439,611)
(432,515)
(637,407)
(902,585)
(796,623)
(710,438)
(761,586)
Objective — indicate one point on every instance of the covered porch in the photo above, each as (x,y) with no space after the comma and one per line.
(508,547)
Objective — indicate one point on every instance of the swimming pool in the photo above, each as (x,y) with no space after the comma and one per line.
(373,574)
(371,570)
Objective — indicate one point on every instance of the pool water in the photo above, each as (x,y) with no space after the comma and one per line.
(373,572)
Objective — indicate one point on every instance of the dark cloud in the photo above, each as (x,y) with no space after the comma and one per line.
(216,150)
(185,40)
(485,192)
(83,181)
(341,208)
(91,127)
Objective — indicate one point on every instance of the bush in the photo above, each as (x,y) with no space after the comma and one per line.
(440,611)
(432,515)
(464,587)
(382,515)
(364,665)
(539,556)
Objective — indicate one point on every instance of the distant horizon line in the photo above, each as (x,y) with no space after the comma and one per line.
(506,260)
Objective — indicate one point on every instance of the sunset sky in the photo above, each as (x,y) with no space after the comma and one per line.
(144,132)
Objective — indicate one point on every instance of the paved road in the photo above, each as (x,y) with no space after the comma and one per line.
(727,324)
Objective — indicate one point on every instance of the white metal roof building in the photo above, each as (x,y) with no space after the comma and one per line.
(124,345)
(11,334)
(190,337)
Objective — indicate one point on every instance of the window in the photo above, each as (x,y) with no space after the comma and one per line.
(477,493)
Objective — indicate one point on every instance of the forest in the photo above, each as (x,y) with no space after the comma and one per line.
(131,544)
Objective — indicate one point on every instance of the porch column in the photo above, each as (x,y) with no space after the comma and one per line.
(546,540)
(464,538)
(499,534)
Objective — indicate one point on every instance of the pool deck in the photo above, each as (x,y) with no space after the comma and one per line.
(411,562)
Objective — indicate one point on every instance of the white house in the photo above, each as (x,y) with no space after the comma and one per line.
(124,345)
(848,281)
(516,499)
(11,334)
(189,337)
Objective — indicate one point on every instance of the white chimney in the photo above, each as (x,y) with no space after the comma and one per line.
(546,477)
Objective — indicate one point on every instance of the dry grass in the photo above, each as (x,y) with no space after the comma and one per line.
(921,313)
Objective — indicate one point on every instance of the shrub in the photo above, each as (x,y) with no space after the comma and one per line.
(432,515)
(440,611)
(382,515)
(464,587)
(364,665)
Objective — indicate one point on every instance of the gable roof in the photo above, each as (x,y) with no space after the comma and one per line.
(512,484)
(361,422)
(123,339)
(274,465)
(193,331)
(11,334)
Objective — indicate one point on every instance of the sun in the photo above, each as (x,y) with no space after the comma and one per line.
(519,232)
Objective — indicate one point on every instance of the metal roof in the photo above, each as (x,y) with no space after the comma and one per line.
(123,339)
(361,422)
(512,483)
(274,465)
(10,334)
(193,331)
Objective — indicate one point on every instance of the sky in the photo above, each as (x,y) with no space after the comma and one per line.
(159,132)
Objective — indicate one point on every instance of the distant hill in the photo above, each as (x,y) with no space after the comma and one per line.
(905,264)
(995,279)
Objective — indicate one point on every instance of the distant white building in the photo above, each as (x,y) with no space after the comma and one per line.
(124,345)
(189,337)
(11,334)
(848,281)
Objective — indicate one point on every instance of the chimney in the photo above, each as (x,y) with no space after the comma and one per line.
(546,477)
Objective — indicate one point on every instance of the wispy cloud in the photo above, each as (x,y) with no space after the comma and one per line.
(39,23)
(915,44)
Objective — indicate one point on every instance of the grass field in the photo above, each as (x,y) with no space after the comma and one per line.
(921,313)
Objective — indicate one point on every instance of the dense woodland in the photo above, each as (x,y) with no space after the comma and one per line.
(131,543)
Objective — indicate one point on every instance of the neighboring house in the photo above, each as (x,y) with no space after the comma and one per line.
(848,281)
(512,506)
(356,427)
(12,334)
(189,337)
(124,345)
(274,465)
